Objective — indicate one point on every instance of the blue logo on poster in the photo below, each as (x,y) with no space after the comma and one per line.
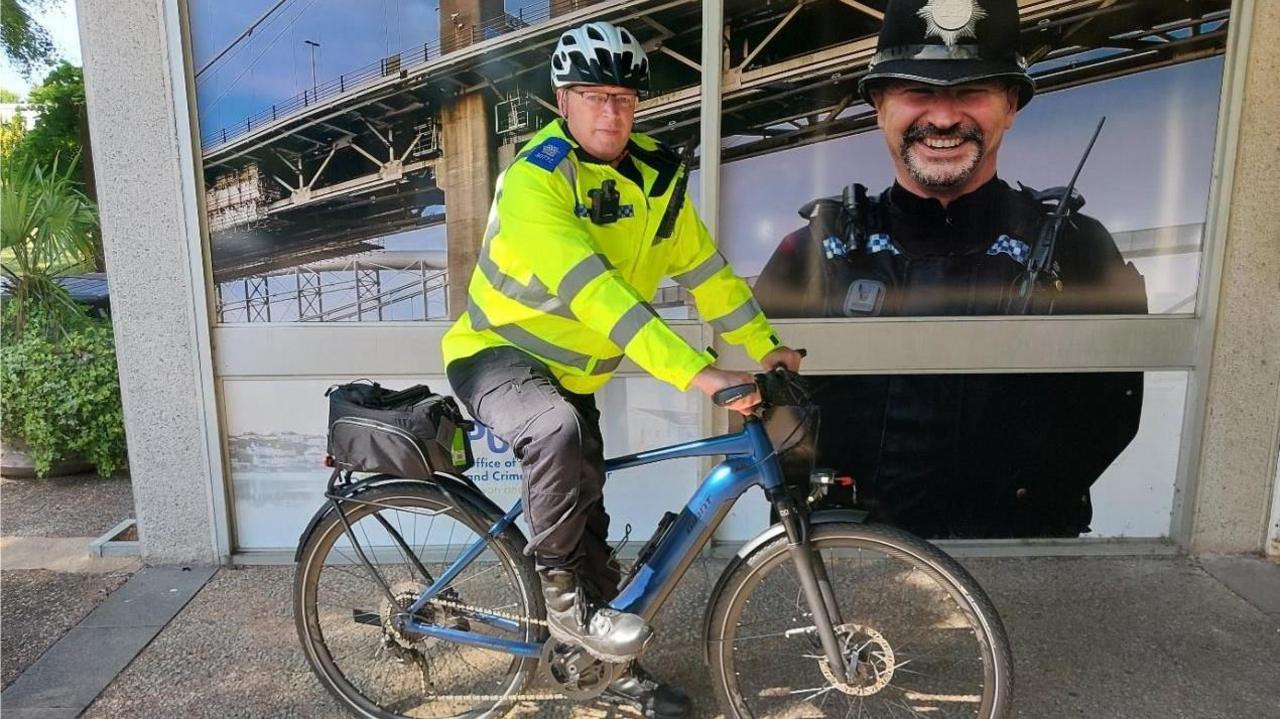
(492,466)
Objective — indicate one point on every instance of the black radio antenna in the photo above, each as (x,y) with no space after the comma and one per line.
(1042,255)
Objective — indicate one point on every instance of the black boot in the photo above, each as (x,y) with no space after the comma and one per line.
(653,698)
(605,633)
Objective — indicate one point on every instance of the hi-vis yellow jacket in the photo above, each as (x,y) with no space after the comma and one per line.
(576,294)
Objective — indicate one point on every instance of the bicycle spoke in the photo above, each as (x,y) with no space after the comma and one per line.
(414,674)
(918,644)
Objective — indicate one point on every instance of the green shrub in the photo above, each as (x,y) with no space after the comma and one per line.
(60,393)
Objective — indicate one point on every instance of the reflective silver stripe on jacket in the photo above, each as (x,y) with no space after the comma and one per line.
(702,272)
(630,323)
(534,295)
(607,365)
(526,340)
(581,274)
(737,318)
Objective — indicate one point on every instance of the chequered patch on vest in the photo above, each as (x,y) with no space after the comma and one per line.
(1006,245)
(880,242)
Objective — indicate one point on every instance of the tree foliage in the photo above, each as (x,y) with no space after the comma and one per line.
(11,134)
(8,97)
(59,100)
(25,42)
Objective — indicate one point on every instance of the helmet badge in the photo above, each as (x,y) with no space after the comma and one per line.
(951,20)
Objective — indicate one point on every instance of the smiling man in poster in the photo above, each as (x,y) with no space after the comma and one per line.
(959,455)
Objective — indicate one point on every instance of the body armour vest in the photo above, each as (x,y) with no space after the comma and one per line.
(980,455)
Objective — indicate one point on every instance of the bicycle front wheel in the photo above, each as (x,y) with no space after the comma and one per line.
(921,636)
(410,533)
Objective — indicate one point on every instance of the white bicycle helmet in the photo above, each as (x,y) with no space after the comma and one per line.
(599,53)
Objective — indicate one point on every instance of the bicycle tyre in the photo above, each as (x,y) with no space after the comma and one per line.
(730,650)
(508,548)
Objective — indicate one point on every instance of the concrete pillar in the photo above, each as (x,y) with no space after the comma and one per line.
(462,22)
(142,157)
(466,125)
(564,7)
(1238,454)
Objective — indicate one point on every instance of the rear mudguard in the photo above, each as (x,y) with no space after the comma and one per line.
(453,485)
(825,516)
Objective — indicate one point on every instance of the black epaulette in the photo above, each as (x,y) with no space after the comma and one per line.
(1049,199)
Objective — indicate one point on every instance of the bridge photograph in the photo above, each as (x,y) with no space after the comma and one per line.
(350,150)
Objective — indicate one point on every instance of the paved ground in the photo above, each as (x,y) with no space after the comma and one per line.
(39,607)
(1092,637)
(81,505)
(49,583)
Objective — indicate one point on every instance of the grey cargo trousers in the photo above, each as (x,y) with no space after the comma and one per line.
(556,436)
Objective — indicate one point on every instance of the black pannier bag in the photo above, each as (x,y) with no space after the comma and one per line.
(407,433)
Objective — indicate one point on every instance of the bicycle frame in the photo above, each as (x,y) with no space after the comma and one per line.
(748,463)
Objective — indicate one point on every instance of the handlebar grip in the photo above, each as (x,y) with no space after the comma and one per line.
(724,397)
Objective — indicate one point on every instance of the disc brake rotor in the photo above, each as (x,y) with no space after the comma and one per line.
(870,656)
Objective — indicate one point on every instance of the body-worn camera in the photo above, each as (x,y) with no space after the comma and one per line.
(604,203)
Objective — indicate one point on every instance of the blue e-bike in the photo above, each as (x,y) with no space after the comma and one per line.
(414,598)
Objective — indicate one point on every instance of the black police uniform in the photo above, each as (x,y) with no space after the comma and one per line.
(963,455)
(959,455)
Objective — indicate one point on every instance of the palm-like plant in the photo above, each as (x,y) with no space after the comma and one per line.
(47,231)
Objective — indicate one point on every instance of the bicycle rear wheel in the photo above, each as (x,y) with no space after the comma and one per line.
(926,639)
(345,619)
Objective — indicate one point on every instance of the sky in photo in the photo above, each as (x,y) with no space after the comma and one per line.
(59,19)
(1151,167)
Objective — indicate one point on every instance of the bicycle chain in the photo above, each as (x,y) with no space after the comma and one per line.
(492,612)
(512,698)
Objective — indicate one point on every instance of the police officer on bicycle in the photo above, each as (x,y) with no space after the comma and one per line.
(585,223)
(959,455)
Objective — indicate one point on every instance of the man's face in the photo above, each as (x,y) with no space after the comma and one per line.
(944,139)
(600,117)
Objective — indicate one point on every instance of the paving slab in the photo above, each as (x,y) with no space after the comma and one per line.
(151,598)
(88,658)
(29,713)
(39,607)
(1256,580)
(60,554)
(77,668)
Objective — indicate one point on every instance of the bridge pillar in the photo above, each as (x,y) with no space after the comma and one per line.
(564,7)
(466,126)
(464,22)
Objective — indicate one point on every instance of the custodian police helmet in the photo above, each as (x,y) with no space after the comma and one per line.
(949,42)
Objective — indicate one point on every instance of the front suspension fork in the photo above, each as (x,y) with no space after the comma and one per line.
(814,581)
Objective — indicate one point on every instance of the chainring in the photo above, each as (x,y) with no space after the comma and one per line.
(575,673)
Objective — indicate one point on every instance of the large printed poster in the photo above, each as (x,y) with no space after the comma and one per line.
(330,133)
(276,446)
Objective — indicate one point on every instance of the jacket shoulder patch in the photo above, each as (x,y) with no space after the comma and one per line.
(549,153)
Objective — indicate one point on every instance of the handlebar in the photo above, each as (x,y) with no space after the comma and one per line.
(778,386)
